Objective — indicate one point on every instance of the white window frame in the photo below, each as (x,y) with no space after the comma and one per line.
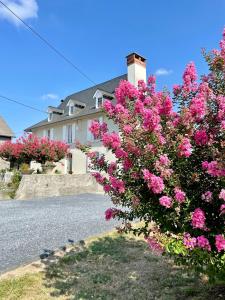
(49,133)
(50,116)
(72,109)
(98,95)
(69,134)
(100,99)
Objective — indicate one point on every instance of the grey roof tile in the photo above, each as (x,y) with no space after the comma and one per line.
(5,130)
(85,96)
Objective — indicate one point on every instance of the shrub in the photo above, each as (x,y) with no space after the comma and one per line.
(170,164)
(31,148)
(25,168)
(15,182)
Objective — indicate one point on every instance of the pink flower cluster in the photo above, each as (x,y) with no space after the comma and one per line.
(121,153)
(189,77)
(198,219)
(185,148)
(98,129)
(127,129)
(179,195)
(117,184)
(154,245)
(165,201)
(99,178)
(125,92)
(198,107)
(151,120)
(111,140)
(201,137)
(220,242)
(213,168)
(203,242)
(221,107)
(108,107)
(112,167)
(222,194)
(207,196)
(111,213)
(192,242)
(189,242)
(162,166)
(155,183)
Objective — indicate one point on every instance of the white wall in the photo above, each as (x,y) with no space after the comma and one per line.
(136,72)
(81,134)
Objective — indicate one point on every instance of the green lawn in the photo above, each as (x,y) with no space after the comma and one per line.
(110,267)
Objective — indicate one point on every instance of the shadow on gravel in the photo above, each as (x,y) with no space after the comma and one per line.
(121,268)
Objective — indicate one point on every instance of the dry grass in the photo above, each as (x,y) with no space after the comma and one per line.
(109,267)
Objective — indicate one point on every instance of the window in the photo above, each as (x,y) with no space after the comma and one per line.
(71,109)
(99,102)
(50,116)
(69,134)
(49,134)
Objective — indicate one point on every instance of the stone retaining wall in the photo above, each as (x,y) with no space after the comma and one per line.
(41,186)
(4,164)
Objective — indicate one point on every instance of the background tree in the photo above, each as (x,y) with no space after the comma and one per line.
(31,148)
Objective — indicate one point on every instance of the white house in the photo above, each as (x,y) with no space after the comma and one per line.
(70,121)
(6,134)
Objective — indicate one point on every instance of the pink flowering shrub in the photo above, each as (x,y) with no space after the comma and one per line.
(30,147)
(170,163)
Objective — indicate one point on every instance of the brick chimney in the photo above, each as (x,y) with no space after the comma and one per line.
(136,68)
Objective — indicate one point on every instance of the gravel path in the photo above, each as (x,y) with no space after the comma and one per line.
(28,227)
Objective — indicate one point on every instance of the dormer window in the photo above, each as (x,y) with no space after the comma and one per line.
(50,116)
(74,105)
(71,109)
(100,96)
(53,112)
(99,102)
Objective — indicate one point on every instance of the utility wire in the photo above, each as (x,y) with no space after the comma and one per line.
(48,44)
(22,104)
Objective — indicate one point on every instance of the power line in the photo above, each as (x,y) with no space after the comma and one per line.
(48,44)
(22,104)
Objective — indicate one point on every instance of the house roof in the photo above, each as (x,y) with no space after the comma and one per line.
(4,128)
(84,96)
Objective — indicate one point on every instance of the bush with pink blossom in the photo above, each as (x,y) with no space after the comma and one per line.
(31,148)
(170,163)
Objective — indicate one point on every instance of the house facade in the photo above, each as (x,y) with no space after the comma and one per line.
(6,134)
(70,121)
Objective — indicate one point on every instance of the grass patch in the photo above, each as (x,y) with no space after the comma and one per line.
(27,287)
(110,267)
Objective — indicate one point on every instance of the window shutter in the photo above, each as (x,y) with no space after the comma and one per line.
(89,134)
(52,134)
(64,133)
(73,133)
(44,133)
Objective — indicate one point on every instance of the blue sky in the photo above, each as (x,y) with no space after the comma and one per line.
(96,36)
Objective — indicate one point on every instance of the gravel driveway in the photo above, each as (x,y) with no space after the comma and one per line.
(28,227)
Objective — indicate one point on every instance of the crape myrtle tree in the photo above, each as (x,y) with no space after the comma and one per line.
(169,166)
(31,148)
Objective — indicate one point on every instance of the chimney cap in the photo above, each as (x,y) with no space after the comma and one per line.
(136,56)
